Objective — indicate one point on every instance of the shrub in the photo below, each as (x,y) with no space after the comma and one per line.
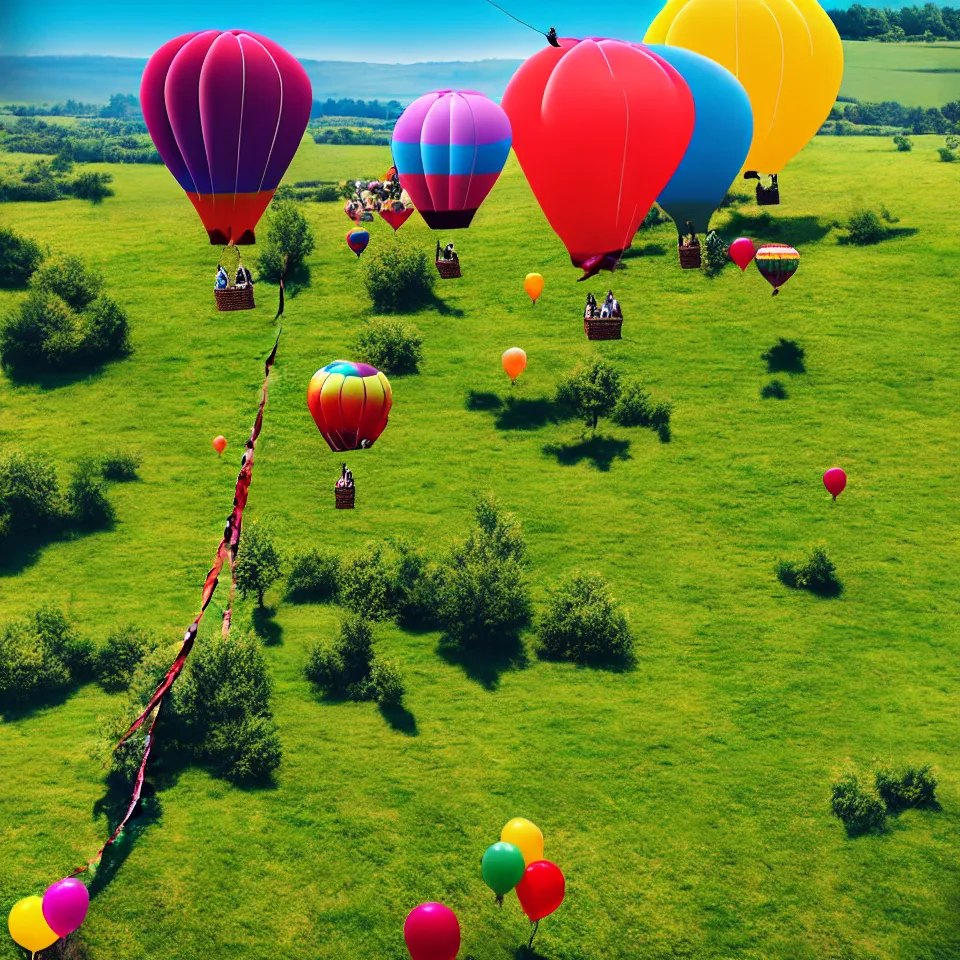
(715,255)
(859,810)
(412,587)
(386,683)
(583,624)
(398,276)
(259,563)
(43,333)
(118,659)
(907,787)
(946,154)
(655,216)
(29,494)
(288,243)
(327,193)
(364,582)
(313,577)
(391,346)
(864,228)
(41,656)
(633,407)
(120,467)
(904,144)
(70,279)
(343,667)
(86,500)
(774,390)
(92,186)
(816,574)
(104,331)
(19,258)
(244,749)
(591,391)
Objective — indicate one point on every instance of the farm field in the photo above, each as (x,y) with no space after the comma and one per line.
(687,801)
(914,74)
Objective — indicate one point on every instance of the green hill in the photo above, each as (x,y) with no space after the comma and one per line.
(914,74)
(687,801)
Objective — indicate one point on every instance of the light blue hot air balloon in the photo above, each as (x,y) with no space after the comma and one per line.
(722,134)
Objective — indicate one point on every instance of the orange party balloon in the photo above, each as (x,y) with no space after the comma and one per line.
(533,285)
(219,444)
(514,362)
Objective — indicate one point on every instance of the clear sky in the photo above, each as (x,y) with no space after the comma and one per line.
(388,32)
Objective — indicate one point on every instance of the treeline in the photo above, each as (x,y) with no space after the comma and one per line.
(356,108)
(89,141)
(914,24)
(122,106)
(345,136)
(886,117)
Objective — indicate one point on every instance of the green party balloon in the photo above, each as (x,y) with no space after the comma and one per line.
(502,867)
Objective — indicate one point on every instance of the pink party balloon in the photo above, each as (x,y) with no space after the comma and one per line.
(742,252)
(835,480)
(432,932)
(65,905)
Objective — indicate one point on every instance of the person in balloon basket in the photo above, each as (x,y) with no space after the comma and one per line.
(243,277)
(346,478)
(448,252)
(222,280)
(591,311)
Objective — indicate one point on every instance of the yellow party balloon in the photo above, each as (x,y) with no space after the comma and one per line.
(27,926)
(525,835)
(533,284)
(786,53)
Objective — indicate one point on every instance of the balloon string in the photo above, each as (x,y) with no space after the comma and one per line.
(512,17)
(536,927)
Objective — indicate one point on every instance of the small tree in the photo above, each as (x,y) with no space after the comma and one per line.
(391,346)
(259,563)
(19,258)
(591,391)
(715,255)
(29,494)
(86,498)
(398,276)
(859,809)
(70,279)
(91,186)
(118,659)
(864,228)
(288,243)
(904,143)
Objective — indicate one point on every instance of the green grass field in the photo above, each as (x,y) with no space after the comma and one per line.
(914,74)
(686,801)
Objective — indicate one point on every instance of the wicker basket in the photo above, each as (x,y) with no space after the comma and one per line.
(366,217)
(345,497)
(235,298)
(690,255)
(768,196)
(448,269)
(606,329)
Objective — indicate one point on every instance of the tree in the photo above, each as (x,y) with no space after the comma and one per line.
(288,243)
(19,258)
(259,563)
(591,391)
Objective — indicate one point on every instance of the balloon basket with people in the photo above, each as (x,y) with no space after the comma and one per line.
(602,322)
(345,490)
(689,250)
(767,196)
(448,263)
(233,292)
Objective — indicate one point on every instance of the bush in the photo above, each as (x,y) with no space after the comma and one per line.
(386,683)
(40,657)
(288,243)
(92,186)
(246,749)
(583,624)
(391,346)
(946,154)
(633,407)
(864,228)
(715,255)
(313,577)
(904,144)
(591,391)
(104,331)
(19,258)
(118,659)
(816,574)
(398,276)
(70,279)
(907,787)
(859,810)
(364,582)
(412,587)
(86,499)
(655,216)
(42,334)
(774,390)
(259,563)
(343,667)
(327,193)
(29,495)
(120,467)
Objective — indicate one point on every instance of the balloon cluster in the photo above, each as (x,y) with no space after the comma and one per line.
(36,923)
(776,262)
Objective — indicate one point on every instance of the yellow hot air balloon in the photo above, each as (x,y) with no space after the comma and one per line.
(786,53)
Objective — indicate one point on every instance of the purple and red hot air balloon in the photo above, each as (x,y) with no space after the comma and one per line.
(226,112)
(449,148)
(357,240)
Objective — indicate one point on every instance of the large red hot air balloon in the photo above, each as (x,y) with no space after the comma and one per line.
(599,127)
(226,112)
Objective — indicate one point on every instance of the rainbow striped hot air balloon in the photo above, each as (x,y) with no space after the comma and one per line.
(449,149)
(350,403)
(777,263)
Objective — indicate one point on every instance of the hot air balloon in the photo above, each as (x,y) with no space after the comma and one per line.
(533,284)
(226,112)
(449,148)
(599,127)
(722,133)
(357,240)
(777,263)
(787,55)
(350,403)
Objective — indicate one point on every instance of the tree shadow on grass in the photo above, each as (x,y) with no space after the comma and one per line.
(793,230)
(485,666)
(523,414)
(266,627)
(297,280)
(11,713)
(400,719)
(785,356)
(482,400)
(599,450)
(19,552)
(442,307)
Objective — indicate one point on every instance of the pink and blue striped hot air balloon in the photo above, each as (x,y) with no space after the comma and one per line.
(226,112)
(449,148)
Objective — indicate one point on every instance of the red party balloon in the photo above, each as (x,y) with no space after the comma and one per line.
(835,480)
(432,932)
(540,890)
(742,252)
(219,444)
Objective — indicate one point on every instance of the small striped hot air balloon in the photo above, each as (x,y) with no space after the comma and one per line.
(350,403)
(777,263)
(449,148)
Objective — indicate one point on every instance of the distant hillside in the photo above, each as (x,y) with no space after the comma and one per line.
(94,79)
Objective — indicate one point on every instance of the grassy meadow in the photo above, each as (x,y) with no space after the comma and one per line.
(687,801)
(914,74)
